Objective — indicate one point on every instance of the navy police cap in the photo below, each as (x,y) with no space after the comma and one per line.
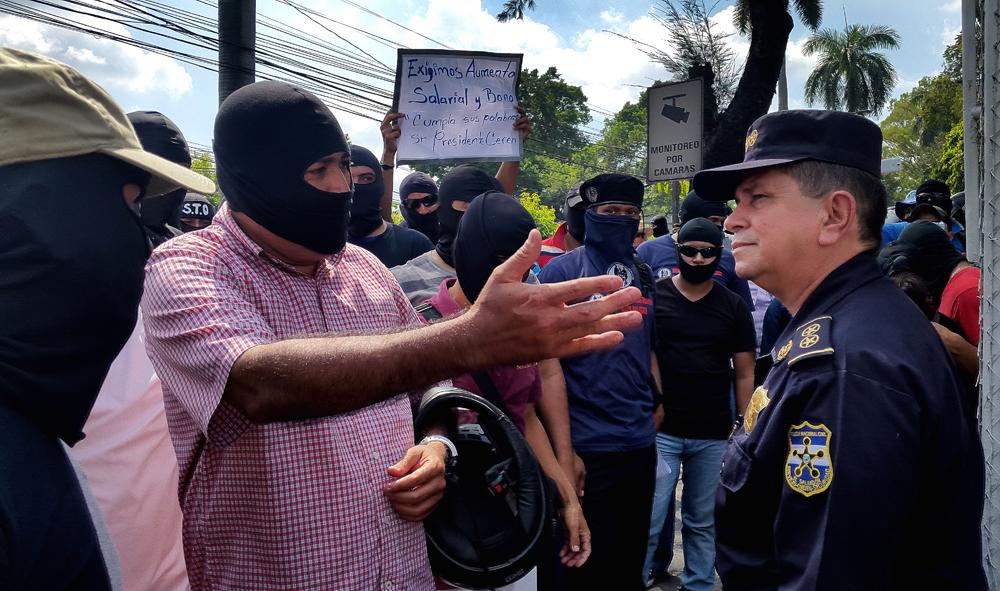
(793,136)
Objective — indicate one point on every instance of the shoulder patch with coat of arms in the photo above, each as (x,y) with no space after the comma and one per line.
(809,466)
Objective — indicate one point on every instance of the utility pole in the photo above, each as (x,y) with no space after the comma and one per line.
(237,40)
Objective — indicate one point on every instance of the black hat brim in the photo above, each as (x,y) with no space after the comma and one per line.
(719,184)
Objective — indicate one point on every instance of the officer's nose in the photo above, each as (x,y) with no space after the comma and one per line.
(736,220)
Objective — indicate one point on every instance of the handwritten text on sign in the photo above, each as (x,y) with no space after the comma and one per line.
(459,106)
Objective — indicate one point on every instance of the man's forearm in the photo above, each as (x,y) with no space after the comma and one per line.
(507,175)
(315,377)
(554,408)
(385,204)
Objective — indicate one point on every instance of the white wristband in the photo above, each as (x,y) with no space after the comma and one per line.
(452,450)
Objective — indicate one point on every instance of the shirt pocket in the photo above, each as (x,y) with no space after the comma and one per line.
(736,466)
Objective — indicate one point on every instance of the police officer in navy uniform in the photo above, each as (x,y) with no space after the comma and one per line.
(854,466)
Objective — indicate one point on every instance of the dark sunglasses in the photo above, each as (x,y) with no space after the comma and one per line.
(691,251)
(415,203)
(931,198)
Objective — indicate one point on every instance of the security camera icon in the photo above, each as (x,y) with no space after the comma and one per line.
(673,112)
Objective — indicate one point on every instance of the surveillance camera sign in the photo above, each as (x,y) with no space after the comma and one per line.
(676,127)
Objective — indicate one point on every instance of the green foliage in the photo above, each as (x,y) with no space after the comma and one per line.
(203,164)
(850,74)
(544,216)
(920,128)
(514,9)
(950,165)
(809,11)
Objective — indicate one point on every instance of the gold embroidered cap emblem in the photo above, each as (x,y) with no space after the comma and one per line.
(784,351)
(752,139)
(758,402)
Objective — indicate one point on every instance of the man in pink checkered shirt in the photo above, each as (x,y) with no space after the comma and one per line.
(285,418)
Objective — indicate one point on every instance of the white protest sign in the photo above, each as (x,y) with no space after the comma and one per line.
(460,106)
(676,125)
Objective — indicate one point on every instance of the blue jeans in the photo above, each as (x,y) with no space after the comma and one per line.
(702,460)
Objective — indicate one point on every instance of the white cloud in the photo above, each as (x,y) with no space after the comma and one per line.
(114,65)
(612,16)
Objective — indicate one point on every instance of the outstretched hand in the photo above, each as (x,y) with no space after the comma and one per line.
(527,323)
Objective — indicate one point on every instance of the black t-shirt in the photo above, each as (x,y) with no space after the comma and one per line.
(396,246)
(695,345)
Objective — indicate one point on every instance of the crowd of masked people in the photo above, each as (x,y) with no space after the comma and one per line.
(223,397)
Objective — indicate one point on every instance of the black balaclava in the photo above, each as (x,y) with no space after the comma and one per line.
(463,183)
(660,226)
(72,254)
(693,206)
(574,209)
(491,231)
(929,253)
(198,207)
(698,230)
(366,211)
(266,135)
(159,135)
(426,224)
(608,238)
(940,191)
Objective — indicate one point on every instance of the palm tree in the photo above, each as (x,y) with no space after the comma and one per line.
(514,9)
(851,74)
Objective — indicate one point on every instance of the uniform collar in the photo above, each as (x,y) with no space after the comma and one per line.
(857,272)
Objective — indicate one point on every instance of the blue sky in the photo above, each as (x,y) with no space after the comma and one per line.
(569,35)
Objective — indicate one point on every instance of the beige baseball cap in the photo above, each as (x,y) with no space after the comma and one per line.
(49,110)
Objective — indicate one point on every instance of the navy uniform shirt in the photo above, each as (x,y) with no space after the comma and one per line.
(661,255)
(855,466)
(610,400)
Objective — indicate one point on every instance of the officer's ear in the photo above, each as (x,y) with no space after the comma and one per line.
(839,218)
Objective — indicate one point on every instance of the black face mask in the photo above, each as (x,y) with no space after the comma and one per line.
(266,135)
(366,213)
(697,273)
(491,231)
(426,224)
(575,224)
(160,213)
(461,184)
(72,254)
(698,230)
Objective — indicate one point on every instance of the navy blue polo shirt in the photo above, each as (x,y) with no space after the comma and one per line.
(661,255)
(856,466)
(610,399)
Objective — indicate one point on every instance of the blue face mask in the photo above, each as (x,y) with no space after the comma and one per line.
(608,241)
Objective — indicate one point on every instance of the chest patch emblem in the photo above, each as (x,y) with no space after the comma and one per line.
(758,402)
(809,467)
(621,270)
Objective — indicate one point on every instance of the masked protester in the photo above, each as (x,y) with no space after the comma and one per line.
(612,395)
(196,213)
(569,234)
(661,253)
(706,348)
(257,326)
(391,244)
(72,249)
(418,203)
(421,277)
(660,226)
(159,135)
(930,193)
(492,229)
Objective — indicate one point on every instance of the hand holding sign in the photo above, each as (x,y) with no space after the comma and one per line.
(459,106)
